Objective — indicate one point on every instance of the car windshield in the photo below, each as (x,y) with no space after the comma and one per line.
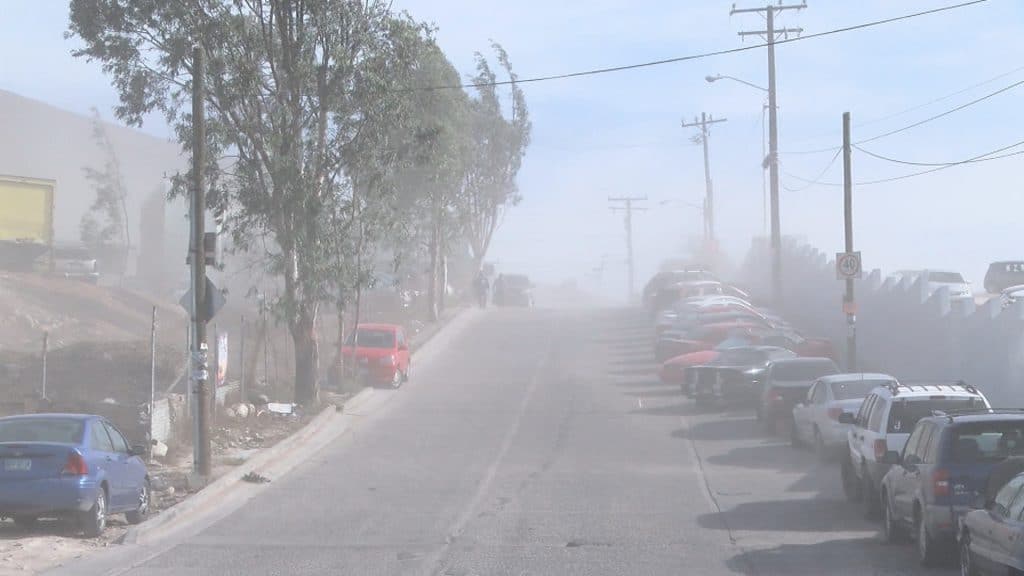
(990,440)
(855,388)
(371,338)
(58,430)
(946,277)
(905,413)
(802,371)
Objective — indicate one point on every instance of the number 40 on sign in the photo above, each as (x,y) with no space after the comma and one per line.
(848,265)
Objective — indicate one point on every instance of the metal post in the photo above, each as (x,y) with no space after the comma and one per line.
(241,362)
(773,166)
(152,378)
(46,346)
(709,210)
(850,307)
(201,389)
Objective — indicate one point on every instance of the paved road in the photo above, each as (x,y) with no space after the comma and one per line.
(539,442)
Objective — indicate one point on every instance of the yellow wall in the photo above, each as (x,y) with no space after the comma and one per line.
(26,209)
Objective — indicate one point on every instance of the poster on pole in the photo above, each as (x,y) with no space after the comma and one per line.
(222,359)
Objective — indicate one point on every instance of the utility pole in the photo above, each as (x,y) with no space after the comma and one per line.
(200,362)
(772,159)
(709,198)
(849,305)
(628,207)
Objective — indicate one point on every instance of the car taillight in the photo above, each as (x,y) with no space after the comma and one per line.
(940,482)
(75,465)
(881,447)
(834,413)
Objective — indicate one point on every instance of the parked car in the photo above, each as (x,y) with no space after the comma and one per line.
(943,469)
(75,262)
(70,466)
(380,353)
(1011,295)
(706,337)
(513,290)
(991,538)
(668,277)
(786,382)
(735,375)
(959,289)
(1002,275)
(883,424)
(816,417)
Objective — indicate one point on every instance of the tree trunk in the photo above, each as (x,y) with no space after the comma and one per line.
(435,249)
(307,359)
(254,357)
(334,373)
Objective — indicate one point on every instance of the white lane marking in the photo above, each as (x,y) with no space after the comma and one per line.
(435,562)
(640,403)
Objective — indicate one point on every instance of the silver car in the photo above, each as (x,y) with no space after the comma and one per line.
(816,417)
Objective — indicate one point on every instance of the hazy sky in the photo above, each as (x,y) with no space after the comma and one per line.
(619,134)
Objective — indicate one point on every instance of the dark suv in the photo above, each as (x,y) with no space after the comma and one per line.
(942,472)
(1002,275)
(736,374)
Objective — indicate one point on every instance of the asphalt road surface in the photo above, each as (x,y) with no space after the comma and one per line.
(540,442)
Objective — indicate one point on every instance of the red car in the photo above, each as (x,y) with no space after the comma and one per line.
(380,353)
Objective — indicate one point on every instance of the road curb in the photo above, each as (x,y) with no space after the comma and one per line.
(218,487)
(171,518)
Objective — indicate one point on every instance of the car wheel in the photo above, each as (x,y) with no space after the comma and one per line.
(25,522)
(966,560)
(140,514)
(927,552)
(396,379)
(892,532)
(819,446)
(851,487)
(94,521)
(870,500)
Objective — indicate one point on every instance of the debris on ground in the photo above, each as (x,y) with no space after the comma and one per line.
(255,478)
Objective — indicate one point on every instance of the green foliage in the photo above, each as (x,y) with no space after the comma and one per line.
(107,218)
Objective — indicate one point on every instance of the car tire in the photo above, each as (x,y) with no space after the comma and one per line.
(139,515)
(967,567)
(396,379)
(927,549)
(851,486)
(94,521)
(870,499)
(892,532)
(25,522)
(820,450)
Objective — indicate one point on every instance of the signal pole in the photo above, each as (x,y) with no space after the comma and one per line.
(772,160)
(628,207)
(709,198)
(849,305)
(200,386)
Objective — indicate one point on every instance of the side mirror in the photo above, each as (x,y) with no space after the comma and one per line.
(891,457)
(846,418)
(138,450)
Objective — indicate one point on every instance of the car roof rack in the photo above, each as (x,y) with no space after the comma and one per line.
(950,414)
(923,386)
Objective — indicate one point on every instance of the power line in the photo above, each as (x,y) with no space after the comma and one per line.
(817,179)
(918,123)
(674,60)
(987,156)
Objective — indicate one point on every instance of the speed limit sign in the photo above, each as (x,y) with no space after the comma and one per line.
(848,265)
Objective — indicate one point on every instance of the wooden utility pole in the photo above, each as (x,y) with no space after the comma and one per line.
(772,159)
(849,304)
(628,207)
(709,197)
(200,356)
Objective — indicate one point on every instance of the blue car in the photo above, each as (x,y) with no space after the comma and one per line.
(70,466)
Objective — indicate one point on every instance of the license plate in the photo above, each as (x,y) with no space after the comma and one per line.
(17,464)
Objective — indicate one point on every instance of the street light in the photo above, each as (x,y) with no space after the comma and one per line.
(718,77)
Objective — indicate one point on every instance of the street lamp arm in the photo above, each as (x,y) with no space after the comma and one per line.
(720,77)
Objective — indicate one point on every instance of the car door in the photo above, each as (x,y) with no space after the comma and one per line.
(134,469)
(101,452)
(985,539)
(819,408)
(802,414)
(897,485)
(118,470)
(403,350)
(909,477)
(856,433)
